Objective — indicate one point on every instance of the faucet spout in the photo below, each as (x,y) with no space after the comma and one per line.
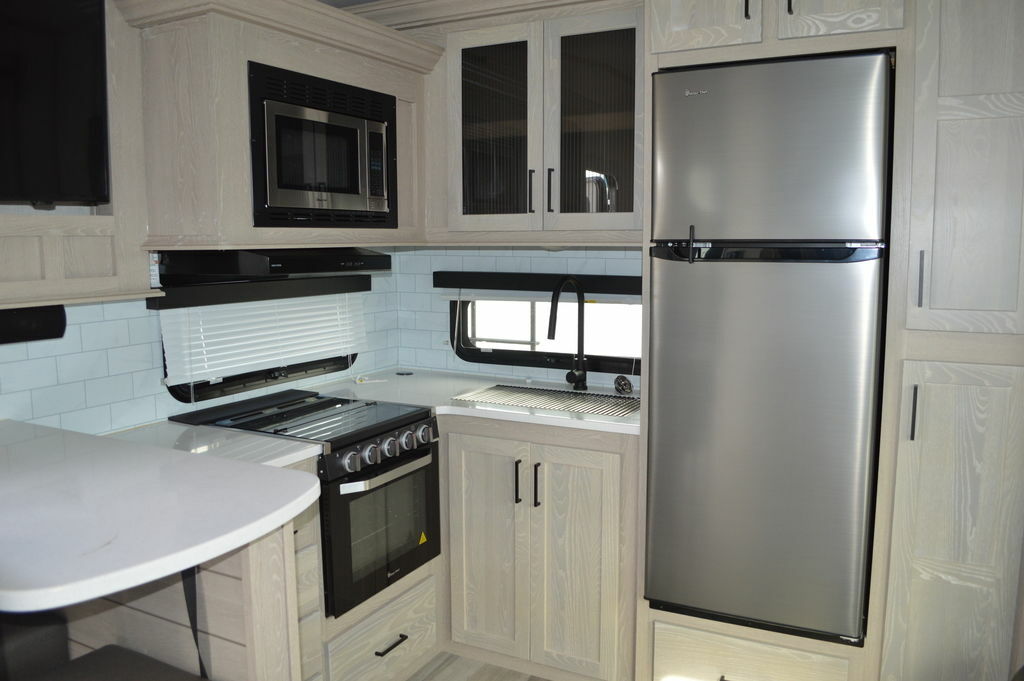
(578,376)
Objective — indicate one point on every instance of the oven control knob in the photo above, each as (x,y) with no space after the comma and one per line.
(424,434)
(348,462)
(389,447)
(407,440)
(369,454)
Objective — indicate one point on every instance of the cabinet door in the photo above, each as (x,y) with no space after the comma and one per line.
(803,18)
(593,122)
(495,88)
(693,24)
(967,255)
(574,530)
(958,524)
(490,543)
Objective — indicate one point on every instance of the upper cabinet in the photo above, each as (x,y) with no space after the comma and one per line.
(545,125)
(196,112)
(966,251)
(695,24)
(805,18)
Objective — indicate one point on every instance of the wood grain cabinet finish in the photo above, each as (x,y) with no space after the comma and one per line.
(534,550)
(696,24)
(958,524)
(967,194)
(513,130)
(806,18)
(695,655)
(385,642)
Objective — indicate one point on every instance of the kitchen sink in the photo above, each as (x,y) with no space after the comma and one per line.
(548,398)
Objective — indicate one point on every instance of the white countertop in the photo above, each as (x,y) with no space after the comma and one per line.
(436,389)
(83,516)
(238,445)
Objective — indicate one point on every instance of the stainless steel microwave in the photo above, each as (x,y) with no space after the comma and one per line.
(323,152)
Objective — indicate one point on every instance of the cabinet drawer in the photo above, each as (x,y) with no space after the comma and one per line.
(352,655)
(695,655)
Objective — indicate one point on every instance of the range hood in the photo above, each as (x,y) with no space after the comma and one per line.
(189,268)
(193,278)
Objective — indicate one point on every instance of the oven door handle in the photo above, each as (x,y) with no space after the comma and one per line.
(360,486)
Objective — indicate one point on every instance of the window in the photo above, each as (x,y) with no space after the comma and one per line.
(514,332)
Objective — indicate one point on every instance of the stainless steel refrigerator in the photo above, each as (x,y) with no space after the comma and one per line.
(771,186)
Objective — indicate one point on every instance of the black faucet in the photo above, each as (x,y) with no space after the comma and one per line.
(578,376)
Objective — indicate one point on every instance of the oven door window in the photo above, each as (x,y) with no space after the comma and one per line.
(388,524)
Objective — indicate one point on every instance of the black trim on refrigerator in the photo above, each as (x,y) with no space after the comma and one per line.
(756,624)
(691,251)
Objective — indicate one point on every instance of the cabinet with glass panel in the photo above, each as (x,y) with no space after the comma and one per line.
(544,125)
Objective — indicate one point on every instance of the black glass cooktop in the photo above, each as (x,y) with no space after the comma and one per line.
(309,415)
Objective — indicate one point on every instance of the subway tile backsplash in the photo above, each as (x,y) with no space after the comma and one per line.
(106,373)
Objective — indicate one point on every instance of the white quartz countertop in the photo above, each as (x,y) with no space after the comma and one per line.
(238,445)
(83,516)
(436,389)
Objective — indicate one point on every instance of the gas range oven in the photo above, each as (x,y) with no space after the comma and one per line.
(379,506)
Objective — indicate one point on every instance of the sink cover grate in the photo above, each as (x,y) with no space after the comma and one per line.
(547,398)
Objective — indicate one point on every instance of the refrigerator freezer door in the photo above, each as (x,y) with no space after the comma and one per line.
(792,149)
(761,439)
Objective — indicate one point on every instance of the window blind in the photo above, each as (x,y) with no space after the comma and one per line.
(211,342)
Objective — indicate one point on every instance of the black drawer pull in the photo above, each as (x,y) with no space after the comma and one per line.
(402,638)
(536,485)
(551,171)
(789,6)
(913,415)
(529,191)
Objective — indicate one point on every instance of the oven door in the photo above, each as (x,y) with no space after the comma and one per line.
(379,529)
(315,158)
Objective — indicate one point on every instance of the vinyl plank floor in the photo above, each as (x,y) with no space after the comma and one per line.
(447,667)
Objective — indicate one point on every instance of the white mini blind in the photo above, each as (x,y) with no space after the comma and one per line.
(212,342)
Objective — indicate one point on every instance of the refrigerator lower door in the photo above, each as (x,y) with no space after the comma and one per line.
(762,438)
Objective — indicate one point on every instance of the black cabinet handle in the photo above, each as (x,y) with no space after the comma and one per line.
(746,9)
(529,191)
(551,171)
(402,638)
(536,485)
(789,6)
(920,279)
(913,415)
(518,498)
(722,678)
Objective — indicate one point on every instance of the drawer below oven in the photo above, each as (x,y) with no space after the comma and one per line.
(694,655)
(400,632)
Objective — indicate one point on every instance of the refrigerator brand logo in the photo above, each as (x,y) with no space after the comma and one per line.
(687,92)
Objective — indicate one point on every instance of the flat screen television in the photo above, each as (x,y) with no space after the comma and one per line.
(53,121)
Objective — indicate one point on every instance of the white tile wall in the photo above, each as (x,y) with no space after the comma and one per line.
(106,373)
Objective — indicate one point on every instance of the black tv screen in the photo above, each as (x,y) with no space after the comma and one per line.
(53,121)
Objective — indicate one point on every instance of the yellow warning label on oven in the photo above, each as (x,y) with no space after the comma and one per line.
(423,537)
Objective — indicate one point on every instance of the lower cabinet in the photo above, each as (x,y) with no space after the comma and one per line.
(535,551)
(379,646)
(695,655)
(958,524)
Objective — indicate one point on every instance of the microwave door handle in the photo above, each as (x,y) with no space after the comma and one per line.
(361,486)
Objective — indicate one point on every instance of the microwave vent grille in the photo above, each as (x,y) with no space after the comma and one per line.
(324,218)
(348,100)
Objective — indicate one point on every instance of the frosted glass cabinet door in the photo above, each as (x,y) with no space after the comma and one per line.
(495,91)
(967,197)
(958,524)
(803,18)
(593,122)
(695,24)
